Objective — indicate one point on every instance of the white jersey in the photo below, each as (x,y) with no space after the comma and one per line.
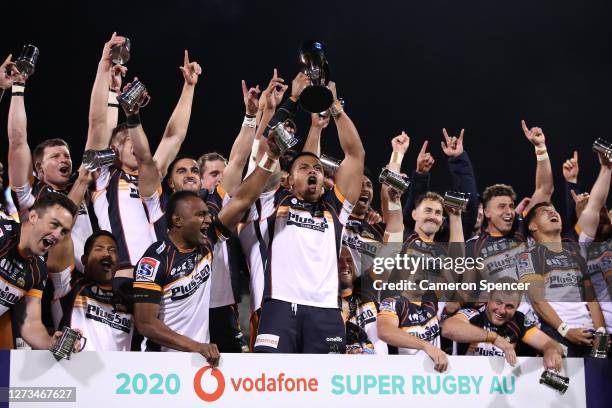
(305,241)
(88,307)
(254,239)
(599,266)
(179,281)
(120,210)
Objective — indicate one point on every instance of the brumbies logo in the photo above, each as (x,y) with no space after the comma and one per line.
(147,268)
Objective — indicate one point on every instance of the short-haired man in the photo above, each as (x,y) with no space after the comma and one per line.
(560,290)
(496,327)
(86,301)
(171,286)
(23,270)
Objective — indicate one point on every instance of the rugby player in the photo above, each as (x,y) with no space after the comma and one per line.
(117,204)
(86,301)
(496,327)
(560,290)
(171,287)
(300,310)
(23,270)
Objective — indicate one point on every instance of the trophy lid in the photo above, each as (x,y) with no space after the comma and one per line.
(312,53)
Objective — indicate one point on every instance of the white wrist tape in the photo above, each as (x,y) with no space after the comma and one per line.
(268,164)
(18,89)
(393,206)
(542,157)
(563,329)
(249,122)
(112,98)
(395,236)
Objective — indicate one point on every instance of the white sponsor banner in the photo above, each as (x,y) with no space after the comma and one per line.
(185,380)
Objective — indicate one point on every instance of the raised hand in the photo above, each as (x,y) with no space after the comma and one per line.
(142,102)
(8,73)
(319,121)
(275,91)
(298,84)
(452,146)
(520,208)
(117,73)
(251,98)
(534,135)
(424,160)
(191,70)
(106,51)
(581,201)
(570,169)
(400,143)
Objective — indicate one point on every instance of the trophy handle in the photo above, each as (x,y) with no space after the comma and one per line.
(147,99)
(83,344)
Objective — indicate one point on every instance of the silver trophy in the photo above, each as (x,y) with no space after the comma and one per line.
(328,112)
(316,97)
(456,199)
(96,159)
(120,53)
(601,345)
(27,60)
(394,180)
(283,138)
(554,380)
(330,165)
(65,344)
(603,147)
(134,97)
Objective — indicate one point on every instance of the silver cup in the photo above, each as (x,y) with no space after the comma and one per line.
(120,53)
(601,345)
(395,180)
(283,138)
(330,165)
(27,59)
(603,147)
(96,159)
(316,97)
(456,199)
(65,344)
(554,380)
(328,112)
(133,97)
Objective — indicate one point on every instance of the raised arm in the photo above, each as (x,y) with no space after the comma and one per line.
(176,129)
(570,174)
(250,189)
(544,185)
(419,185)
(98,133)
(149,178)
(313,140)
(390,199)
(589,219)
(19,155)
(348,176)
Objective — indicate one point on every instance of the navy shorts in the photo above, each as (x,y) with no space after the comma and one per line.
(292,328)
(225,330)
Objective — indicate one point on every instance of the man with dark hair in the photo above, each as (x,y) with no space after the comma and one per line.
(86,301)
(502,239)
(118,206)
(52,164)
(171,287)
(496,327)
(560,289)
(23,270)
(300,300)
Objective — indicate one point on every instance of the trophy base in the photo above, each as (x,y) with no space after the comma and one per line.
(316,98)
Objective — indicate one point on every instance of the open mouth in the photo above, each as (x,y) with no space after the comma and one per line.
(47,243)
(507,218)
(106,263)
(312,180)
(364,198)
(64,170)
(345,272)
(554,218)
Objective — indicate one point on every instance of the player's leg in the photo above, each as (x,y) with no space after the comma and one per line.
(322,330)
(278,328)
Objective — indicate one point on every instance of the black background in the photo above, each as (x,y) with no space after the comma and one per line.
(416,66)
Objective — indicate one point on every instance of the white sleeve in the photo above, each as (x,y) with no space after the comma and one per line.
(153,205)
(584,241)
(61,282)
(25,198)
(103,178)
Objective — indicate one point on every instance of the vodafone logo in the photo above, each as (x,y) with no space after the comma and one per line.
(197,384)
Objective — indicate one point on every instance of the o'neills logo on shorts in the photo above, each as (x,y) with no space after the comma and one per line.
(262,383)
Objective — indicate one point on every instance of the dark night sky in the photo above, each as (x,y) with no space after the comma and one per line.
(413,66)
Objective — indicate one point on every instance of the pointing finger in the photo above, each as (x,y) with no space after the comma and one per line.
(461,135)
(244,89)
(574,196)
(524,125)
(186,58)
(576,155)
(424,147)
(8,59)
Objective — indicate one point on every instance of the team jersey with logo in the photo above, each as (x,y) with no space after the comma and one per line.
(518,328)
(363,241)
(564,275)
(305,241)
(361,330)
(19,276)
(120,210)
(419,319)
(254,239)
(25,198)
(599,267)
(499,254)
(221,292)
(179,281)
(88,306)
